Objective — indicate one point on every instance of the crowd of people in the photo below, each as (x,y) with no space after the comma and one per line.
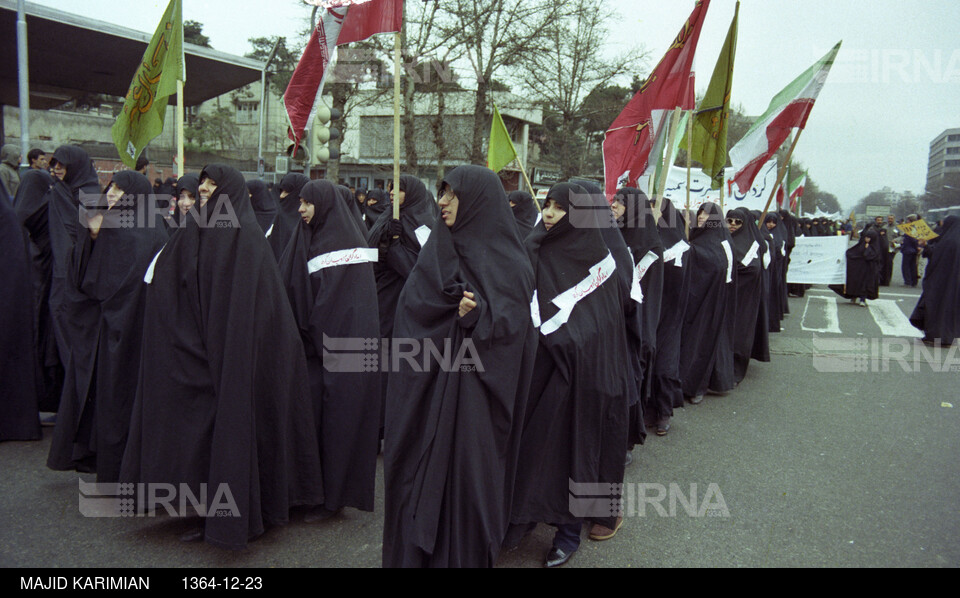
(188,335)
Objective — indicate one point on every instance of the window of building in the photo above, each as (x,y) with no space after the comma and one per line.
(248,113)
(953,150)
(952,163)
(953,138)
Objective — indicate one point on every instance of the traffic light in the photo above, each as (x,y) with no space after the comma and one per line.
(323,132)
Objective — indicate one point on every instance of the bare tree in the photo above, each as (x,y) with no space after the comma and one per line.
(495,36)
(570,67)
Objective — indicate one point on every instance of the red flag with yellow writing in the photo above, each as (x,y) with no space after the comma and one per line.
(628,141)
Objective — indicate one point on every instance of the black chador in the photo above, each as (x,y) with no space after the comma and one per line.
(376,202)
(268,215)
(223,397)
(667,386)
(452,430)
(575,429)
(639,230)
(120,235)
(747,247)
(707,341)
(328,273)
(350,201)
(864,267)
(288,206)
(524,210)
(18,365)
(398,243)
(937,312)
(32,206)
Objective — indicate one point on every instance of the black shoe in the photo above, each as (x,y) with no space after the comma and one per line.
(194,535)
(320,513)
(696,400)
(515,535)
(556,558)
(663,426)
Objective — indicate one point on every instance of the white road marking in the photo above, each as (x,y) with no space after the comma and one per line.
(891,319)
(828,307)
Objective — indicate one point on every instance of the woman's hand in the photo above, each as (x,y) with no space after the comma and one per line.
(467,303)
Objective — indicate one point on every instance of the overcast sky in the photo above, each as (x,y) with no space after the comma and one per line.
(895,86)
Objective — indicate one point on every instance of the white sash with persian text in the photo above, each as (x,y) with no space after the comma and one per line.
(729,251)
(636,293)
(148,277)
(751,254)
(675,254)
(568,299)
(342,257)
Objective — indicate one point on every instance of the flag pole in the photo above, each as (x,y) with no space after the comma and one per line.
(780,173)
(180,166)
(396,125)
(533,194)
(690,149)
(662,179)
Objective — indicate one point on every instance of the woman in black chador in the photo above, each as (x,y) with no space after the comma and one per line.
(864,268)
(575,428)
(223,398)
(938,310)
(452,433)
(328,273)
(708,328)
(114,247)
(268,215)
(639,230)
(524,210)
(747,246)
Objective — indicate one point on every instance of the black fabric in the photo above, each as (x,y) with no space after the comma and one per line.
(864,267)
(288,207)
(667,386)
(524,211)
(351,202)
(775,291)
(761,337)
(452,437)
(886,257)
(223,395)
(105,284)
(575,428)
(937,311)
(708,328)
(372,211)
(330,304)
(32,207)
(397,257)
(746,242)
(18,359)
(268,216)
(640,233)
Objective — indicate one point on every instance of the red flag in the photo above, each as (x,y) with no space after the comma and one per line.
(780,196)
(341,22)
(371,18)
(628,141)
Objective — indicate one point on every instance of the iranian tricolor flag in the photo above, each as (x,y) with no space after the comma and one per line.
(789,109)
(796,190)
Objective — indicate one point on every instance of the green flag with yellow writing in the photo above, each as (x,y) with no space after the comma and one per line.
(153,83)
(709,146)
(501,151)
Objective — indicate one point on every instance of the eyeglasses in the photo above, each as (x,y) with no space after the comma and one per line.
(734,221)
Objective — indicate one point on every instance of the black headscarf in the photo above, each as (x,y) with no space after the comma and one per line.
(524,211)
(708,331)
(264,206)
(328,273)
(452,436)
(350,201)
(936,312)
(229,379)
(106,291)
(372,212)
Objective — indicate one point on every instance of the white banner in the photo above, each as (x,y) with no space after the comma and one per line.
(700,191)
(818,260)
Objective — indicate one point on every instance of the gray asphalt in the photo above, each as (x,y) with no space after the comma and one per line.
(814,469)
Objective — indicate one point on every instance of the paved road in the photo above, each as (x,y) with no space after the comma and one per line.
(823,457)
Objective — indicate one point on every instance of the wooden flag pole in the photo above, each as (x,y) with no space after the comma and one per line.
(662,179)
(780,173)
(690,149)
(396,125)
(180,166)
(533,194)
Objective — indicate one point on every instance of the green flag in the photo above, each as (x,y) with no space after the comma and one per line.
(501,151)
(155,80)
(710,123)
